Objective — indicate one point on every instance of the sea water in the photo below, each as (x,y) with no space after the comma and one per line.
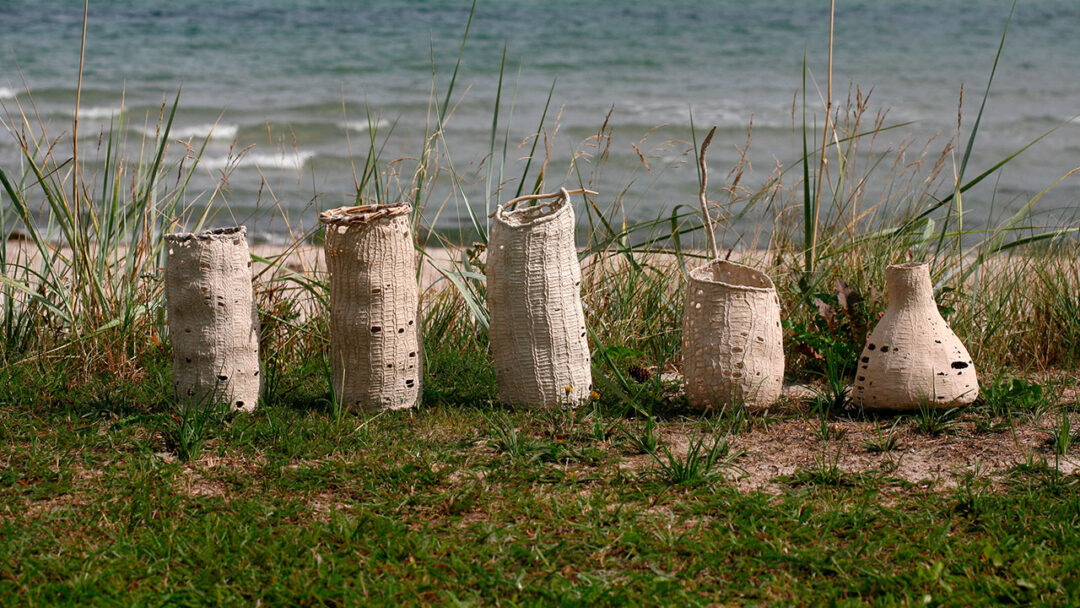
(286,94)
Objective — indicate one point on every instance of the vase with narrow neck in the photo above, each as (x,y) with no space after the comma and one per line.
(913,359)
(732,343)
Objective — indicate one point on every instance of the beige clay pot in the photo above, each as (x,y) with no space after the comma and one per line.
(733,351)
(912,359)
(538,338)
(213,321)
(374,325)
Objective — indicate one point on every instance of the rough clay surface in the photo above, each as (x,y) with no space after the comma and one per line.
(374,328)
(538,336)
(912,359)
(213,321)
(732,344)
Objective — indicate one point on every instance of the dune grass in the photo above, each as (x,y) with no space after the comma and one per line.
(112,494)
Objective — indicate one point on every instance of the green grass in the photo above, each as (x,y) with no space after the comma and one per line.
(932,421)
(885,439)
(296,506)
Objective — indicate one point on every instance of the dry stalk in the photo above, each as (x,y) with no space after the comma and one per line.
(563,192)
(823,162)
(713,251)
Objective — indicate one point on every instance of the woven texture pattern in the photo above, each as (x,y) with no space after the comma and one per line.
(374,331)
(213,321)
(913,359)
(538,336)
(733,350)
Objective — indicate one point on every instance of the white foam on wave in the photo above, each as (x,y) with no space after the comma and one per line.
(361,126)
(724,114)
(99,112)
(7,93)
(220,131)
(281,160)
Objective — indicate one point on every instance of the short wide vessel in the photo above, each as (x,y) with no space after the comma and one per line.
(912,359)
(733,350)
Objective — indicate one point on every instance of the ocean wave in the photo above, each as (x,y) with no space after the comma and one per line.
(281,160)
(724,115)
(364,125)
(219,131)
(7,93)
(99,112)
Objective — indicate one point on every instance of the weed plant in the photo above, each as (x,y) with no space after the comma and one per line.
(1063,437)
(933,421)
(703,462)
(885,439)
(193,422)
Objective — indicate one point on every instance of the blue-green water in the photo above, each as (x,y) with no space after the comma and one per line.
(292,79)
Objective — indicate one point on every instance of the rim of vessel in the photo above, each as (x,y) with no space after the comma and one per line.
(907,266)
(696,275)
(208,235)
(513,218)
(362,214)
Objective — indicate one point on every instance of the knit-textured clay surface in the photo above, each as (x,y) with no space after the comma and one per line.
(213,321)
(374,325)
(733,350)
(538,336)
(913,359)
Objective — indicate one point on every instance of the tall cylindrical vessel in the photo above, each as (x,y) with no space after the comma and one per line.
(733,350)
(913,359)
(538,336)
(374,323)
(213,320)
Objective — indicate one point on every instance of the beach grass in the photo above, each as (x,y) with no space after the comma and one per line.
(113,493)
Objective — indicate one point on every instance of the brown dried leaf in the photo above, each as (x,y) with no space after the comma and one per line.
(825,311)
(805,349)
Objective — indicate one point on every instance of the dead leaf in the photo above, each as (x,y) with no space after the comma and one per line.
(825,311)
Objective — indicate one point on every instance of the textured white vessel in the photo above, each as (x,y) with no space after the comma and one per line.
(538,336)
(374,300)
(912,359)
(213,321)
(733,350)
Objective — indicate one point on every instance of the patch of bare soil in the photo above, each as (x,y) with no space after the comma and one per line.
(53,504)
(769,455)
(199,477)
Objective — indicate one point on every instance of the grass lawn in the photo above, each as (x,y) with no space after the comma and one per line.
(465,502)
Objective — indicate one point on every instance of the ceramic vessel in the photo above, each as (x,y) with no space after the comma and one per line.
(538,336)
(213,320)
(733,351)
(912,359)
(374,327)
